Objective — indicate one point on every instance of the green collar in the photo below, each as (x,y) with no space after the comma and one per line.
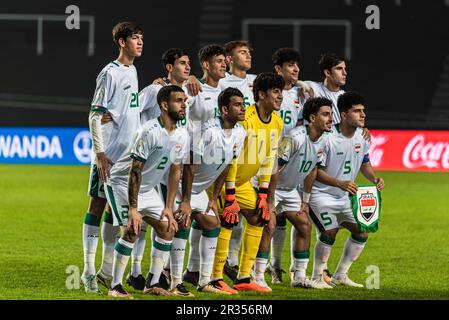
(160,122)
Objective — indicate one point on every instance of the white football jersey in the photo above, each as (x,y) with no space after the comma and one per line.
(117,92)
(342,159)
(158,150)
(245,85)
(299,155)
(150,108)
(215,150)
(321,91)
(291,108)
(203,106)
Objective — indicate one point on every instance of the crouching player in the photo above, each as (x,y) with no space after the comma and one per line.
(221,142)
(300,151)
(263,129)
(158,146)
(344,156)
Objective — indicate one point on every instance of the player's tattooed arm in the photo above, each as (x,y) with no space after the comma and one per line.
(184,211)
(134,180)
(345,185)
(368,172)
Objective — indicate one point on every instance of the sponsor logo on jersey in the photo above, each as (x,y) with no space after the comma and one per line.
(127,87)
(358,147)
(339,153)
(207,98)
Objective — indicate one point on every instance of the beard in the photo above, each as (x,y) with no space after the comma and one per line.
(174,115)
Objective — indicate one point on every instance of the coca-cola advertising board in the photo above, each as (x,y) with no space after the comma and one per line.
(410,150)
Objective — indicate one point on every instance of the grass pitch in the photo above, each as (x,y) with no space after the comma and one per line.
(42,210)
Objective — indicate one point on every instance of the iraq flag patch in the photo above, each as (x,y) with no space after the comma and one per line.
(366,205)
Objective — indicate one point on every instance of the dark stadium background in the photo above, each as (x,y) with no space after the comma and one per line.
(403,68)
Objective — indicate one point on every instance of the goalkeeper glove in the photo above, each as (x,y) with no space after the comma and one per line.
(230,214)
(262,205)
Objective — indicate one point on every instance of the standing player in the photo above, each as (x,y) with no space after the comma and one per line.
(345,155)
(117,93)
(203,107)
(264,128)
(300,151)
(286,64)
(158,146)
(238,59)
(221,142)
(176,63)
(333,70)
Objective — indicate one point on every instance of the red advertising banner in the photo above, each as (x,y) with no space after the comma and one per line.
(413,150)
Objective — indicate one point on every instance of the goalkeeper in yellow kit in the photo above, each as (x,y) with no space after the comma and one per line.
(263,129)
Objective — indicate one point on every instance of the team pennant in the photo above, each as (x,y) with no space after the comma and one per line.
(366,205)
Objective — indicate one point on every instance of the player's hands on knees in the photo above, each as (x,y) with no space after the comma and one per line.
(349,186)
(103,165)
(172,224)
(134,221)
(304,209)
(183,214)
(106,118)
(262,206)
(212,205)
(379,183)
(193,86)
(230,214)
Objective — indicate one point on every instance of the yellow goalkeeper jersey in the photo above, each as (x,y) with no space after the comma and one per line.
(259,150)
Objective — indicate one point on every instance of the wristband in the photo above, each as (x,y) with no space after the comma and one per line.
(230,194)
(305,197)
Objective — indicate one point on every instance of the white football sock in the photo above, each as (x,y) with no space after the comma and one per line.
(351,252)
(137,254)
(235,243)
(159,253)
(208,244)
(277,245)
(90,242)
(108,236)
(122,253)
(322,253)
(193,264)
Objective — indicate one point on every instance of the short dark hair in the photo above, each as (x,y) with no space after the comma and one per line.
(283,55)
(231,45)
(266,81)
(224,99)
(123,30)
(206,53)
(313,105)
(348,99)
(170,56)
(328,61)
(164,93)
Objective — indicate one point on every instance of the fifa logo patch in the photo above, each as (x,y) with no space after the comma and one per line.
(358,147)
(367,205)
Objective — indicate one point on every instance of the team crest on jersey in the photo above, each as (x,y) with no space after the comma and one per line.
(296,103)
(358,147)
(367,205)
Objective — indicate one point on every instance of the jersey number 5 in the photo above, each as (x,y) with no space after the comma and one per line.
(347,167)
